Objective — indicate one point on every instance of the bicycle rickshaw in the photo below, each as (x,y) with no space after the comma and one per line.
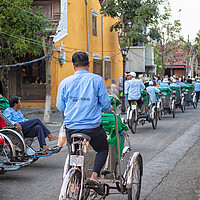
(148,113)
(8,155)
(22,149)
(189,94)
(167,104)
(122,171)
(178,97)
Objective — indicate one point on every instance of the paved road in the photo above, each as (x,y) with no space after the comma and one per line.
(171,163)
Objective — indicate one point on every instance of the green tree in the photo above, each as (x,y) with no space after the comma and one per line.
(20,33)
(134,17)
(170,38)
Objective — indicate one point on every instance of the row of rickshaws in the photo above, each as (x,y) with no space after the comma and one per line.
(123,169)
(168,100)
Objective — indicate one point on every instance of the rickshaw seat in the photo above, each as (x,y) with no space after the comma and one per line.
(5,123)
(1,140)
(81,135)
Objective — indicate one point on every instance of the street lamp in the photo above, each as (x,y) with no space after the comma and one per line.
(124,54)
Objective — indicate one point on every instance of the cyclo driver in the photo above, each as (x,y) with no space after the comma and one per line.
(133,87)
(80,99)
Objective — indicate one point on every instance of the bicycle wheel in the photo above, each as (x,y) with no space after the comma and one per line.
(195,102)
(134,191)
(6,153)
(155,119)
(18,143)
(71,186)
(173,110)
(183,107)
(133,122)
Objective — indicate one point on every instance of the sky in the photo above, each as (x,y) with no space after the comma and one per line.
(189,16)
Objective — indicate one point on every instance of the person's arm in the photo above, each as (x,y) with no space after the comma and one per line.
(19,127)
(8,114)
(157,90)
(142,85)
(104,99)
(60,104)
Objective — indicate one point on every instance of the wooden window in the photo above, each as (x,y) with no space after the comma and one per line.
(97,67)
(107,70)
(94,25)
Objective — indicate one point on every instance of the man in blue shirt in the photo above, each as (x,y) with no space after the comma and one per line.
(152,90)
(133,87)
(81,99)
(120,85)
(30,128)
(165,83)
(174,83)
(197,88)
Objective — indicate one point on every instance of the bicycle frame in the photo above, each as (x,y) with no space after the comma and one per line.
(130,111)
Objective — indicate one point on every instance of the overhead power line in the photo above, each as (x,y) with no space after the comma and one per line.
(25,63)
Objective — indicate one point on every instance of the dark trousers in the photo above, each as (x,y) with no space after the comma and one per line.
(98,142)
(197,94)
(139,103)
(35,128)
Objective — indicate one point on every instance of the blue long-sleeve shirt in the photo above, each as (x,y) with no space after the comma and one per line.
(14,116)
(80,98)
(151,90)
(120,88)
(133,88)
(197,87)
(164,84)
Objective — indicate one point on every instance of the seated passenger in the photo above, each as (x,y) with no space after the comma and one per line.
(30,127)
(165,83)
(152,90)
(174,83)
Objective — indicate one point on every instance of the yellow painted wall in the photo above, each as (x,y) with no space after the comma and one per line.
(76,40)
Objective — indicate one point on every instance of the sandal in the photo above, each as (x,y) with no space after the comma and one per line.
(97,187)
(47,149)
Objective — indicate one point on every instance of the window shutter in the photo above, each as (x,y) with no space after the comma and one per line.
(107,70)
(97,67)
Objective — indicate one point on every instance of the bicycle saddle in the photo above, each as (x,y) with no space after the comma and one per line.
(81,135)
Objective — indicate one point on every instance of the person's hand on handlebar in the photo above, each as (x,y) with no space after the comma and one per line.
(112,110)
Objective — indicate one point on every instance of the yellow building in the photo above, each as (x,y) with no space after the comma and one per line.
(83,28)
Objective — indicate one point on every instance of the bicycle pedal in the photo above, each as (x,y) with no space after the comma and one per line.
(105,172)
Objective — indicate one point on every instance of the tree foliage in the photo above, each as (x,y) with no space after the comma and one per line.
(170,38)
(134,17)
(20,30)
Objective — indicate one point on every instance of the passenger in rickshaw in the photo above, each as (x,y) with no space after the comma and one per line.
(152,90)
(197,88)
(174,83)
(30,127)
(80,98)
(182,84)
(165,83)
(133,87)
